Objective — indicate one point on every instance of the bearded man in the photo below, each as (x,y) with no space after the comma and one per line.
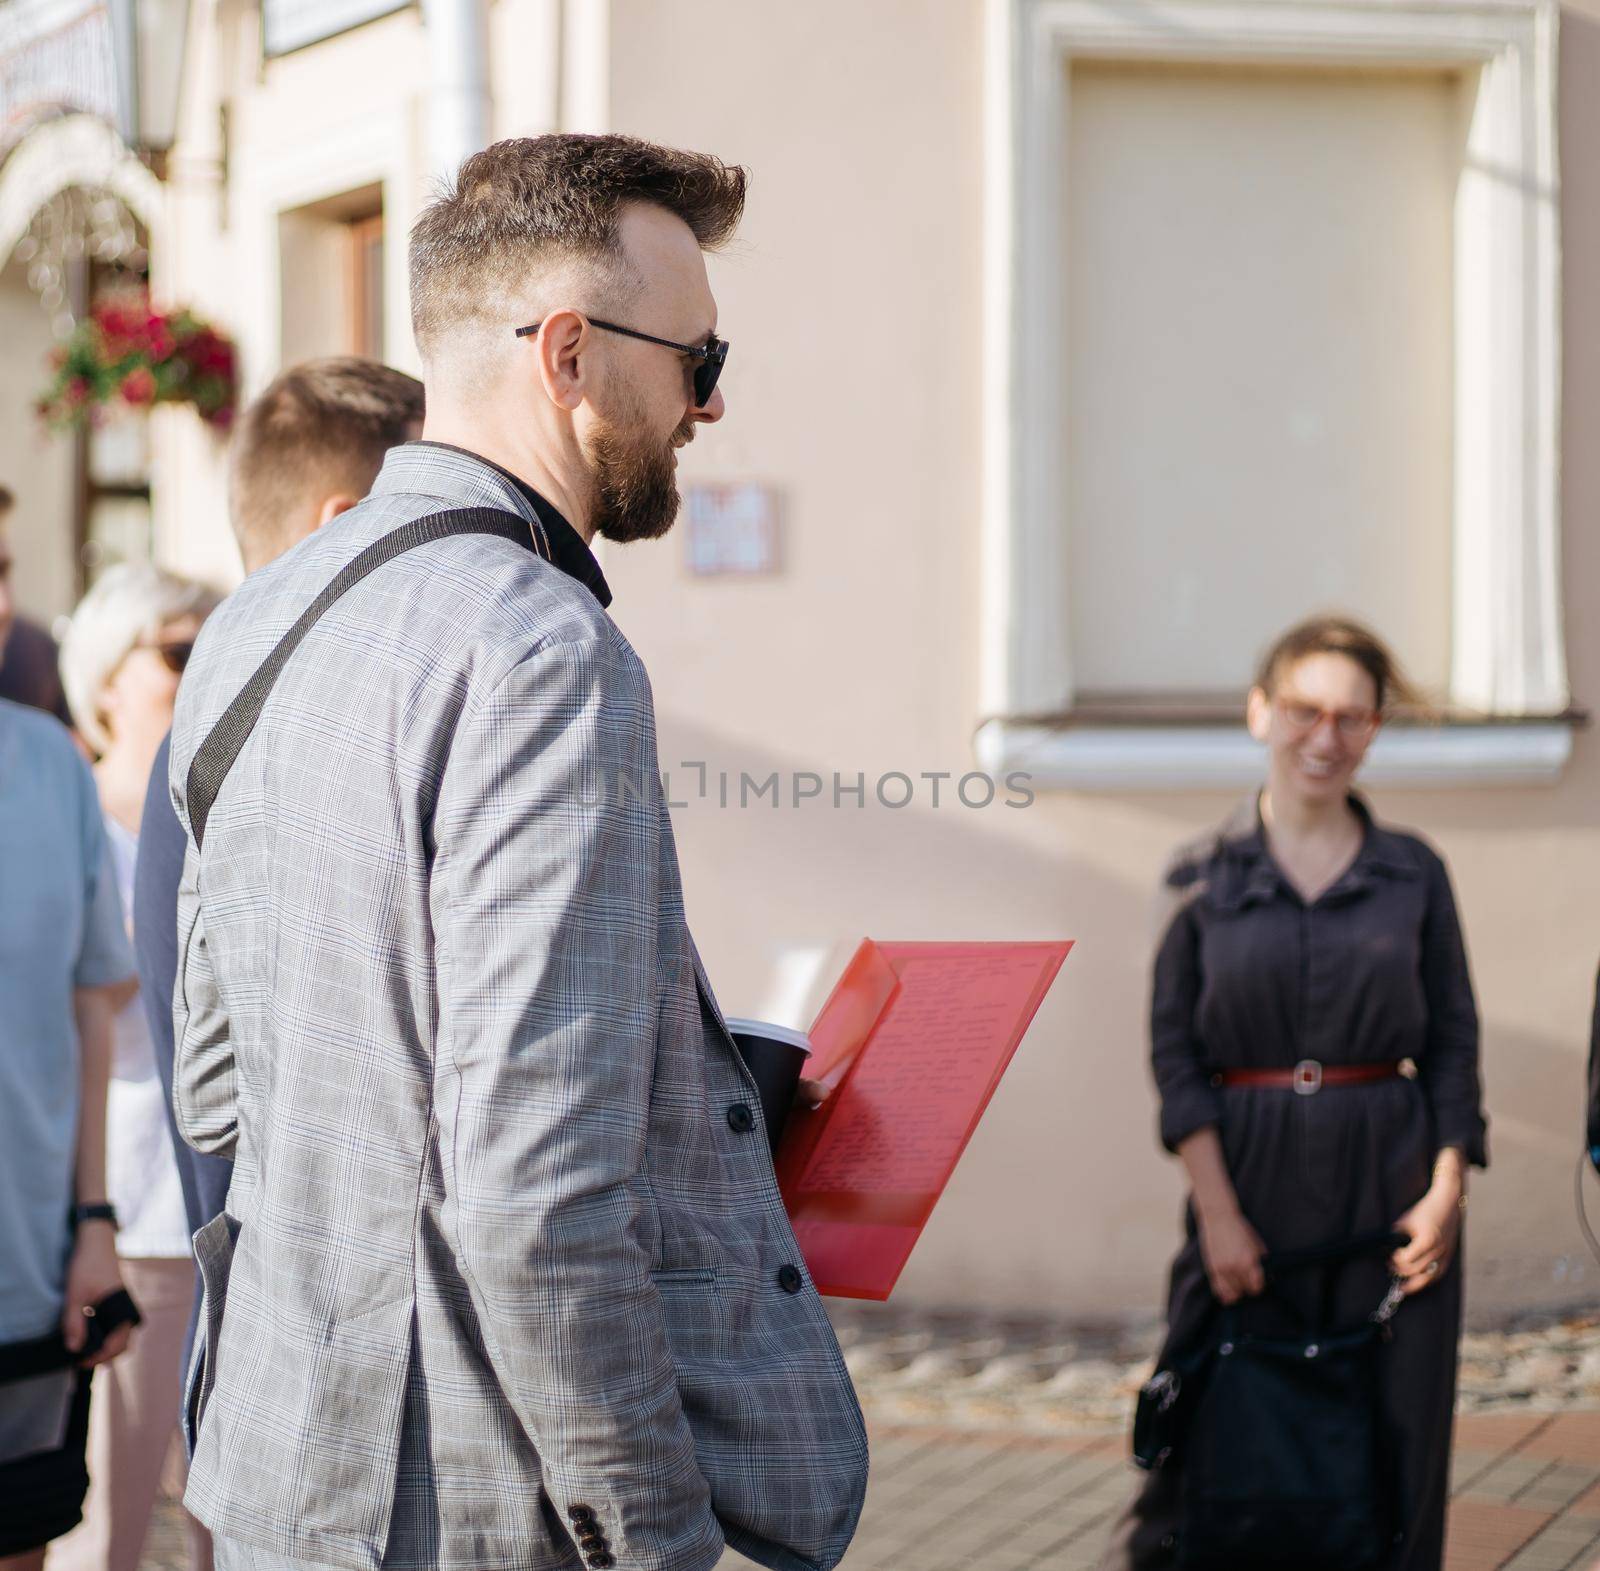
(504,1281)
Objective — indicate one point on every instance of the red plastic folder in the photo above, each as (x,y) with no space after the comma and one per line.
(914,1040)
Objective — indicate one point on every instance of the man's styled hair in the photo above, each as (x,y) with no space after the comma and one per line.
(322,426)
(530,202)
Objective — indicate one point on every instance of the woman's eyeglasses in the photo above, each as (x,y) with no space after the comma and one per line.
(173,653)
(1354,726)
(712,355)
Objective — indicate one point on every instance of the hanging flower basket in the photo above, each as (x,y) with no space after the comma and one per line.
(129,356)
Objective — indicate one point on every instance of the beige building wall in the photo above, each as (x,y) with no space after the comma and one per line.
(854,300)
(35,465)
(337,117)
(247,235)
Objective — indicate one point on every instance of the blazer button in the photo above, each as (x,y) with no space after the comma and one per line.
(581,1513)
(789,1279)
(740,1119)
(601,1561)
(590,1542)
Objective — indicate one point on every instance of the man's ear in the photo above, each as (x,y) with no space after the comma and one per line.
(1258,713)
(562,346)
(332,506)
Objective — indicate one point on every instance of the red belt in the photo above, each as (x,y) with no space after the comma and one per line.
(1308,1076)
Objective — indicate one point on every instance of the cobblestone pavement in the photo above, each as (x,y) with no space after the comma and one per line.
(1527,1498)
(1040,1379)
(1003,1448)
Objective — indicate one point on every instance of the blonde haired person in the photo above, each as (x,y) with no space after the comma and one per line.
(1315,1047)
(121,660)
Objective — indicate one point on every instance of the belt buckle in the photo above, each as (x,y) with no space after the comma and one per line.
(1307,1077)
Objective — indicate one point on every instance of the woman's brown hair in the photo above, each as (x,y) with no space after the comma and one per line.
(1341,635)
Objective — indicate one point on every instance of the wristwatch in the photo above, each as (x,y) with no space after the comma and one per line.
(95,1211)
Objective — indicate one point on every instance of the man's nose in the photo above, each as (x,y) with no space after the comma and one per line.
(712,411)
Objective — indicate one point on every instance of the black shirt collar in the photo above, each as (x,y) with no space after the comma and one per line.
(1256,874)
(568,551)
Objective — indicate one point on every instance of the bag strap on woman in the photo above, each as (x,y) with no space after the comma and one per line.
(1286,1262)
(1282,1261)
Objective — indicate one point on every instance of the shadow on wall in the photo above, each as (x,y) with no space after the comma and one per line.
(1526,866)
(761,880)
(1535,1140)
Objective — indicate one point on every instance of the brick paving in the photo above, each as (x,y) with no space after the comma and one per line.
(1526,1498)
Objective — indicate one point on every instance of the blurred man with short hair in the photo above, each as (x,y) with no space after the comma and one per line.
(305,451)
(309,448)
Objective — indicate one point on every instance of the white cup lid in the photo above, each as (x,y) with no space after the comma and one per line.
(766,1028)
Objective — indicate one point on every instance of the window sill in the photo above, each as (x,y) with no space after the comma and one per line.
(1089,757)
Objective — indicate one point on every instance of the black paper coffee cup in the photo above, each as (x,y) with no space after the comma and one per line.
(775,1057)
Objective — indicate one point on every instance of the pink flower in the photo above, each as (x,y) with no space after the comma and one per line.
(209,352)
(118,326)
(139,386)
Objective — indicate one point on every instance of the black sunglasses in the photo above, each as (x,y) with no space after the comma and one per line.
(712,354)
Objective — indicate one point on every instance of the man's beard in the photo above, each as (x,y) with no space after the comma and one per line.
(635,479)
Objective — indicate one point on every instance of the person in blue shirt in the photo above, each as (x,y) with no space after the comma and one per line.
(121,660)
(305,451)
(65,968)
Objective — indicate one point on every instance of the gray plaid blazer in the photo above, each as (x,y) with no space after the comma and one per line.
(500,1284)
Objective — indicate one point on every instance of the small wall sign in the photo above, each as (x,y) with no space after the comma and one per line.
(732,529)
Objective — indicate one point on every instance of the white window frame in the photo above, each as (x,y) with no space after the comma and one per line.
(1508,651)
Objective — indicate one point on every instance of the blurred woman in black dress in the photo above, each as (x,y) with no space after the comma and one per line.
(1315,1047)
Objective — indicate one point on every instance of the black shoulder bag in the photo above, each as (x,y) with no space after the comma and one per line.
(44,1355)
(1281,1440)
(221,749)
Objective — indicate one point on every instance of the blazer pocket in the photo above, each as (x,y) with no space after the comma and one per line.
(214,1248)
(684,1276)
(192,1382)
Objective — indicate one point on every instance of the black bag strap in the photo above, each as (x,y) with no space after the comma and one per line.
(221,749)
(1284,1260)
(44,1355)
